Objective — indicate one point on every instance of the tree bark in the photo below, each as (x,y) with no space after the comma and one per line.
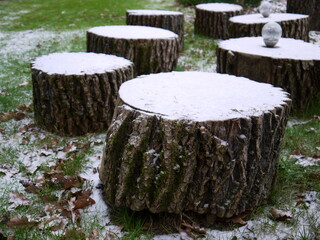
(76,104)
(148,55)
(213,24)
(309,7)
(298,29)
(215,167)
(172,22)
(298,77)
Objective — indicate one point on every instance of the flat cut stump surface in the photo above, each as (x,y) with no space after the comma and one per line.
(75,93)
(293,65)
(293,25)
(151,49)
(193,141)
(212,19)
(170,20)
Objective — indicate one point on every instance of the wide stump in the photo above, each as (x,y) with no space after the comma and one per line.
(193,141)
(309,7)
(293,65)
(293,25)
(75,93)
(151,49)
(171,20)
(212,19)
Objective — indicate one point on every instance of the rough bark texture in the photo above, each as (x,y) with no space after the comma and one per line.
(148,55)
(76,104)
(298,77)
(173,23)
(216,167)
(298,29)
(213,24)
(309,7)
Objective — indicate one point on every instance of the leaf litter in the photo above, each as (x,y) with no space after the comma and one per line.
(79,196)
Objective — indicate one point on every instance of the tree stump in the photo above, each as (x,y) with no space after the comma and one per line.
(171,20)
(75,93)
(193,141)
(151,49)
(293,25)
(212,19)
(293,65)
(309,7)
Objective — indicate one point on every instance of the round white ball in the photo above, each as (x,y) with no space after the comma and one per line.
(265,8)
(271,33)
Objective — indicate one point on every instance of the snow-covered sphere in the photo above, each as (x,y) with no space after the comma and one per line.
(265,8)
(271,33)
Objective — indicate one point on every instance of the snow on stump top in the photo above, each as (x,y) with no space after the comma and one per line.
(188,141)
(75,93)
(212,19)
(250,25)
(152,12)
(170,20)
(294,58)
(150,49)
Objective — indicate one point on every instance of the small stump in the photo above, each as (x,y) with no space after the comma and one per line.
(151,49)
(193,141)
(309,7)
(293,65)
(75,93)
(293,25)
(212,19)
(171,20)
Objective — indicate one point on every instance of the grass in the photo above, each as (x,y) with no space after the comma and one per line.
(31,28)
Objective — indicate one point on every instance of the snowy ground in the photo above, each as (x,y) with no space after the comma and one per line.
(31,154)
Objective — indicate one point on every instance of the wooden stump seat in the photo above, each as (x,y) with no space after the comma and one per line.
(75,93)
(212,19)
(293,65)
(171,20)
(151,49)
(293,25)
(309,7)
(193,141)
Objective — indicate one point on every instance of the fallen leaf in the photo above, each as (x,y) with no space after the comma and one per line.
(19,116)
(30,187)
(21,222)
(5,217)
(75,234)
(82,203)
(280,215)
(25,140)
(1,130)
(85,146)
(17,199)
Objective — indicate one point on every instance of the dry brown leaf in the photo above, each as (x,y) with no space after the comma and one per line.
(1,130)
(195,229)
(280,215)
(21,222)
(17,199)
(85,146)
(82,203)
(238,219)
(74,234)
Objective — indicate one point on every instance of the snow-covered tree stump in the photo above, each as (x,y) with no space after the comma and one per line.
(212,19)
(75,93)
(293,25)
(151,49)
(193,141)
(171,20)
(293,65)
(309,7)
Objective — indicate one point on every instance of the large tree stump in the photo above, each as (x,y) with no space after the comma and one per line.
(212,19)
(171,20)
(293,65)
(75,93)
(309,7)
(193,141)
(293,25)
(151,49)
